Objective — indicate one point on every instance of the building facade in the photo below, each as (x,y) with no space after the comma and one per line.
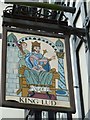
(80,58)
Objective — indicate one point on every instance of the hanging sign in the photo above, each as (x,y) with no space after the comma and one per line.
(36,71)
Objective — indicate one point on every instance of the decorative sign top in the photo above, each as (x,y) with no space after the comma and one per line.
(45,5)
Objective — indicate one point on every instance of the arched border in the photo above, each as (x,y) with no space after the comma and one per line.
(42,39)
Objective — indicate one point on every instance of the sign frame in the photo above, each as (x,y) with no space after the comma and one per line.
(15,104)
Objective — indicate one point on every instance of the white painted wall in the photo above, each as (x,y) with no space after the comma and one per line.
(7,112)
(84,76)
(75,79)
(11,113)
(84,63)
(88,5)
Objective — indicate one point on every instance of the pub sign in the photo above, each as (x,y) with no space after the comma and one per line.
(36,71)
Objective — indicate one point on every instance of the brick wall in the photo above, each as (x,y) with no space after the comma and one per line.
(12,80)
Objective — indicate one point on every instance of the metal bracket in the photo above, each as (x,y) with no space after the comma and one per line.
(76,86)
(30,113)
(83,38)
(86,22)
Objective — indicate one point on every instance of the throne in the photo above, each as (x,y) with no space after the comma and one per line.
(24,86)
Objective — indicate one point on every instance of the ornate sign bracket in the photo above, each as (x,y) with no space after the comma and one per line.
(43,15)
